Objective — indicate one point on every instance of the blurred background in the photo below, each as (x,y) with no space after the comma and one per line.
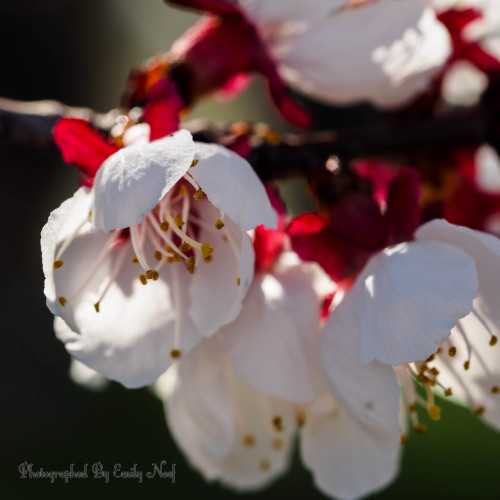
(80,53)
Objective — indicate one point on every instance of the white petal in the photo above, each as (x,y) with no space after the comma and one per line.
(369,393)
(232,186)
(484,249)
(218,287)
(407,300)
(212,414)
(384,52)
(346,461)
(274,342)
(82,374)
(200,407)
(62,222)
(131,182)
(137,326)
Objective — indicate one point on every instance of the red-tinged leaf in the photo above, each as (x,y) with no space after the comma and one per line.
(82,145)
(403,210)
(314,240)
(162,109)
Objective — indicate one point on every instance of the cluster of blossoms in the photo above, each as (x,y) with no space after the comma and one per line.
(173,265)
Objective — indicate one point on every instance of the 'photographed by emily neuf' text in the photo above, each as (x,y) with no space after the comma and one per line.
(98,471)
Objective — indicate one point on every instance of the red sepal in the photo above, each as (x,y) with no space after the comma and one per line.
(314,240)
(403,210)
(82,145)
(162,109)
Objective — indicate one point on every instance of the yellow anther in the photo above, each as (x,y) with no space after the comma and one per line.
(264,465)
(135,260)
(155,275)
(412,407)
(190,265)
(175,258)
(218,224)
(178,220)
(466,365)
(277,443)
(430,358)
(149,274)
(277,422)
(420,429)
(479,410)
(208,258)
(206,249)
(194,163)
(90,213)
(248,440)
(62,300)
(434,412)
(175,353)
(225,238)
(164,226)
(198,195)
(452,351)
(183,190)
(448,392)
(495,389)
(169,249)
(158,255)
(439,351)
(143,279)
(435,371)
(58,264)
(404,439)
(96,307)
(493,340)
(185,247)
(238,281)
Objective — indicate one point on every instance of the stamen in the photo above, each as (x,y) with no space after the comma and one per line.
(198,195)
(137,240)
(277,443)
(69,240)
(277,423)
(164,226)
(58,264)
(479,410)
(194,163)
(249,440)
(135,260)
(493,339)
(171,247)
(452,351)
(219,224)
(158,255)
(63,301)
(175,353)
(265,465)
(238,281)
(143,279)
(205,248)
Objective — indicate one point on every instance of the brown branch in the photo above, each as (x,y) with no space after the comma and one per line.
(30,124)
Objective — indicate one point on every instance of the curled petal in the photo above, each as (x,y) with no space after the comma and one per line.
(411,296)
(232,186)
(133,180)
